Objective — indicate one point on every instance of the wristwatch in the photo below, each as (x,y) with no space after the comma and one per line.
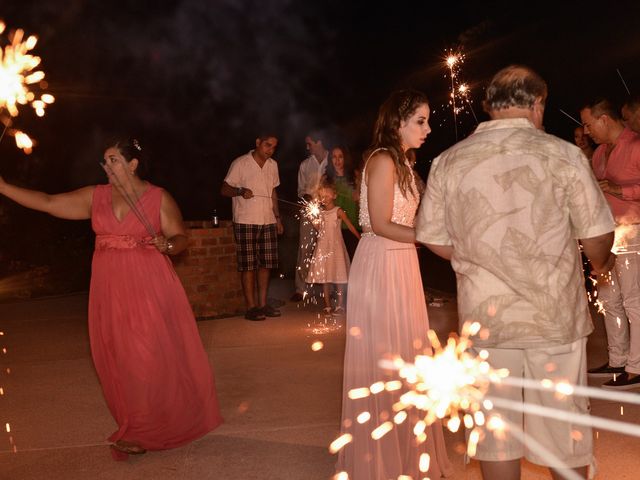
(240,191)
(169,247)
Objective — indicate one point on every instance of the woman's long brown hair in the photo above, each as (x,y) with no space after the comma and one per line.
(399,107)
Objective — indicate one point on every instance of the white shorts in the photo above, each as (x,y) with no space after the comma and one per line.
(571,444)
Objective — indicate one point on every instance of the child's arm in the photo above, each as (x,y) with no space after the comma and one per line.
(347,222)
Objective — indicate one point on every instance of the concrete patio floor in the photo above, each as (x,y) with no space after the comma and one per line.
(280,400)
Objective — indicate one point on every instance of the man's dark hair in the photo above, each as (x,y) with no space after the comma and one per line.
(633,102)
(603,106)
(262,136)
(319,135)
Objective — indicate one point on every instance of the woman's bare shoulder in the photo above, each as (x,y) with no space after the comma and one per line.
(380,159)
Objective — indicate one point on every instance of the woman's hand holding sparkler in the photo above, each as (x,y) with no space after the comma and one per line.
(169,246)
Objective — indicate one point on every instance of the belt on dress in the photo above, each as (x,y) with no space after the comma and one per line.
(122,242)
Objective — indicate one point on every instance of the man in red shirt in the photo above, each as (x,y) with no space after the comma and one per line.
(616,164)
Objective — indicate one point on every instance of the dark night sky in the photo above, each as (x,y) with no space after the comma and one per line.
(196,80)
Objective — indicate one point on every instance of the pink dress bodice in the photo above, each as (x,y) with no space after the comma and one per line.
(404,208)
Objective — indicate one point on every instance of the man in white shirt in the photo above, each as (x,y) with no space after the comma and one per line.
(309,175)
(251,183)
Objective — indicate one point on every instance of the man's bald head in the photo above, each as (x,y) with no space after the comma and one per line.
(515,86)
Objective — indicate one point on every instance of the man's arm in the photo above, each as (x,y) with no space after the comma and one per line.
(630,190)
(276,212)
(229,191)
(598,251)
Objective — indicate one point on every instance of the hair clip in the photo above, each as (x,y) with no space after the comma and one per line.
(136,144)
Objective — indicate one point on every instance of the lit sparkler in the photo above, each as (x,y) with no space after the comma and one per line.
(459,93)
(464,92)
(17,77)
(623,234)
(451,384)
(453,61)
(311,209)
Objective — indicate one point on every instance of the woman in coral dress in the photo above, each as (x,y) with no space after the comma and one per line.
(154,371)
(386,309)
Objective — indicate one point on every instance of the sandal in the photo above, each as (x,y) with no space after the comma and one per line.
(269,311)
(327,310)
(254,314)
(128,448)
(338,311)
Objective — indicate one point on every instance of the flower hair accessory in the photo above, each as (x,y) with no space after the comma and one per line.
(136,144)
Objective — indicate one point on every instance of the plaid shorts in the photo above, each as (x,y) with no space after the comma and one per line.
(257,246)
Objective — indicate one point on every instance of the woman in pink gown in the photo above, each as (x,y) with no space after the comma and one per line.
(386,309)
(154,371)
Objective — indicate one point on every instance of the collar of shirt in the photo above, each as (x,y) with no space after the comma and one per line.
(505,123)
(320,163)
(627,136)
(250,155)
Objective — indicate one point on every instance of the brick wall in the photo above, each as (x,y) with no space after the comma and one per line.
(208,270)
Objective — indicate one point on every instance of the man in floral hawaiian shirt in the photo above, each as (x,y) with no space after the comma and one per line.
(507,206)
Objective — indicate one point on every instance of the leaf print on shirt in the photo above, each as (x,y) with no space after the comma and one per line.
(524,260)
(459,160)
(523,176)
(490,312)
(546,213)
(473,214)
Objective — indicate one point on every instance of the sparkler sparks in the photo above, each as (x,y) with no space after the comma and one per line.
(450,383)
(17,78)
(310,209)
(460,92)
(623,234)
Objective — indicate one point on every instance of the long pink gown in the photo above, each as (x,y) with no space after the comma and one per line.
(386,316)
(147,351)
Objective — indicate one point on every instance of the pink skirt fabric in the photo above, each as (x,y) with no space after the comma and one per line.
(386,316)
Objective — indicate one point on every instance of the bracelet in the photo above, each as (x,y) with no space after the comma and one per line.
(239,191)
(169,247)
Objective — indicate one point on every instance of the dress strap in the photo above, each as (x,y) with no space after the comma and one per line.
(374,152)
(369,158)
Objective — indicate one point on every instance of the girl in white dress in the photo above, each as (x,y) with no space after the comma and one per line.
(330,262)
